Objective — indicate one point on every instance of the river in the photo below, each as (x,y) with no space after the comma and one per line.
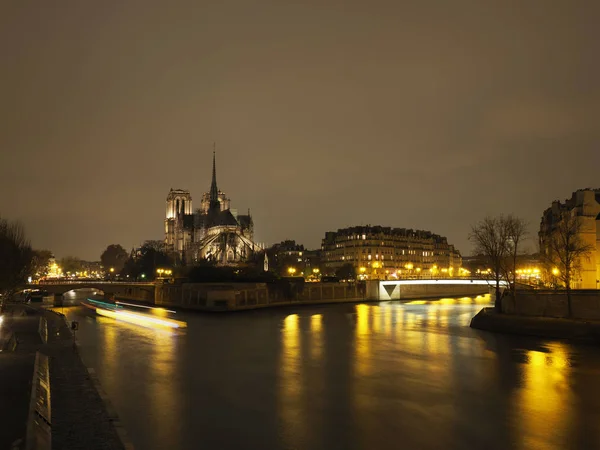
(385,375)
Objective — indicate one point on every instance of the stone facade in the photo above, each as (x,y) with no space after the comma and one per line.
(212,232)
(384,252)
(584,208)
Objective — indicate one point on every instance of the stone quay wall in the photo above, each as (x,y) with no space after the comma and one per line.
(585,304)
(242,296)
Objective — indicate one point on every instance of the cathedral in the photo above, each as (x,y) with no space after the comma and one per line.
(214,232)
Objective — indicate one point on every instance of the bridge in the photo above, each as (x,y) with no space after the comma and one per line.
(233,296)
(423,288)
(110,289)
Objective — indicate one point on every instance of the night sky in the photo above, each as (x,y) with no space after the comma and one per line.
(326,114)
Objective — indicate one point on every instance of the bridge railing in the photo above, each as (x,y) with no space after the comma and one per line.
(53,282)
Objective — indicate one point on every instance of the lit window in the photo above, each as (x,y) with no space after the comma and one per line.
(364,236)
(369,257)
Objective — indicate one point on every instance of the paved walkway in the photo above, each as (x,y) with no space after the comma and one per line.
(81,419)
(16,372)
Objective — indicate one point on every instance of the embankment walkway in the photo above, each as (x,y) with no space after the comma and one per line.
(81,418)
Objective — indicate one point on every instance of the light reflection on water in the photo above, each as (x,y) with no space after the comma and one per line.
(290,379)
(544,402)
(358,376)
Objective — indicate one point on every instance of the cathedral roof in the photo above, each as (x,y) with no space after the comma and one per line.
(221,218)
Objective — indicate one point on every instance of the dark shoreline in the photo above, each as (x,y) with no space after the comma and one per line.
(574,330)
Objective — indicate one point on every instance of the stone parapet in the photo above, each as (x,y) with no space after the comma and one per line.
(585,304)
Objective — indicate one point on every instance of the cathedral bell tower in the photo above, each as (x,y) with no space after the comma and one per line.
(179,204)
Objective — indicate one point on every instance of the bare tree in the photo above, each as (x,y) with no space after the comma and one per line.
(563,249)
(16,256)
(491,237)
(517,233)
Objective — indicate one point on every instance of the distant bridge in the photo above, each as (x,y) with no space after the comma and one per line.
(444,287)
(139,291)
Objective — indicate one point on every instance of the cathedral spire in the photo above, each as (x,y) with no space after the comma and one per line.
(214,191)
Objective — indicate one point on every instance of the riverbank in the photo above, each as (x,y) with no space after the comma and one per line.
(576,330)
(79,418)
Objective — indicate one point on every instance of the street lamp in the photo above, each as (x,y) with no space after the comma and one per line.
(291,271)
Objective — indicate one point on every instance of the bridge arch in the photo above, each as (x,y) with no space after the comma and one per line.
(143,292)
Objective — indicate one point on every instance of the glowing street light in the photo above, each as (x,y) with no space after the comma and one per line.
(112,270)
(555,271)
(291,271)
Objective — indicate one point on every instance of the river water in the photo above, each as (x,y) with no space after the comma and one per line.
(386,375)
